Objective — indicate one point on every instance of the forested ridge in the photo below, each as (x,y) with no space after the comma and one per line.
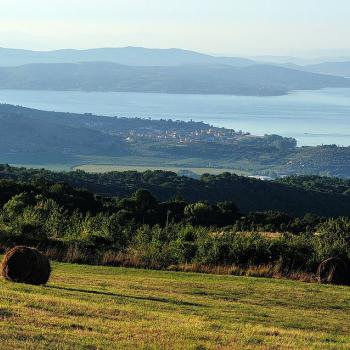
(296,196)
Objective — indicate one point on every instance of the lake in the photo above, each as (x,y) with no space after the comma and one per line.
(312,117)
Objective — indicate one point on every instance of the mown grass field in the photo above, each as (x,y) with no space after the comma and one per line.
(86,307)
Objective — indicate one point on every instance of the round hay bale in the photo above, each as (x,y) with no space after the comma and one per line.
(334,271)
(26,265)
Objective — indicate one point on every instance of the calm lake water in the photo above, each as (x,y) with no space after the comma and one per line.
(312,117)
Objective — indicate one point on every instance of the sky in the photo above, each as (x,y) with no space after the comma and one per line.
(225,27)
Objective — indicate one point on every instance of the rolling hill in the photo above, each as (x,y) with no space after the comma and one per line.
(27,135)
(258,80)
(33,137)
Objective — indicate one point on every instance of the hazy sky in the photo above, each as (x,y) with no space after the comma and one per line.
(246,27)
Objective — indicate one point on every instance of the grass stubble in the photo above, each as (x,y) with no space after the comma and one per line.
(94,307)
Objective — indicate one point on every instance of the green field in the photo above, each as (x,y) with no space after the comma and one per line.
(51,167)
(86,307)
(105,168)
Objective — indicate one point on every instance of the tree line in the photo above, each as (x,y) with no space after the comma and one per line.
(141,231)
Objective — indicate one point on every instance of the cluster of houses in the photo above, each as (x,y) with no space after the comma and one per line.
(182,136)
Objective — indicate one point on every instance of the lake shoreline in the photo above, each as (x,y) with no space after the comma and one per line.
(312,117)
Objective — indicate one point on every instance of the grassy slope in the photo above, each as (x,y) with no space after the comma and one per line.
(86,307)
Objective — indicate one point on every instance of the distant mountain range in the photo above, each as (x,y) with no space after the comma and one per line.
(257,80)
(341,69)
(133,56)
(136,69)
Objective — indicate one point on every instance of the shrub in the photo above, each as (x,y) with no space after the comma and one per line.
(333,239)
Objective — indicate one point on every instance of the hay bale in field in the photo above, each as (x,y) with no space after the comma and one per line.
(26,265)
(334,271)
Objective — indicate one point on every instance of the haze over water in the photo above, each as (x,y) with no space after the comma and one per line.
(312,117)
